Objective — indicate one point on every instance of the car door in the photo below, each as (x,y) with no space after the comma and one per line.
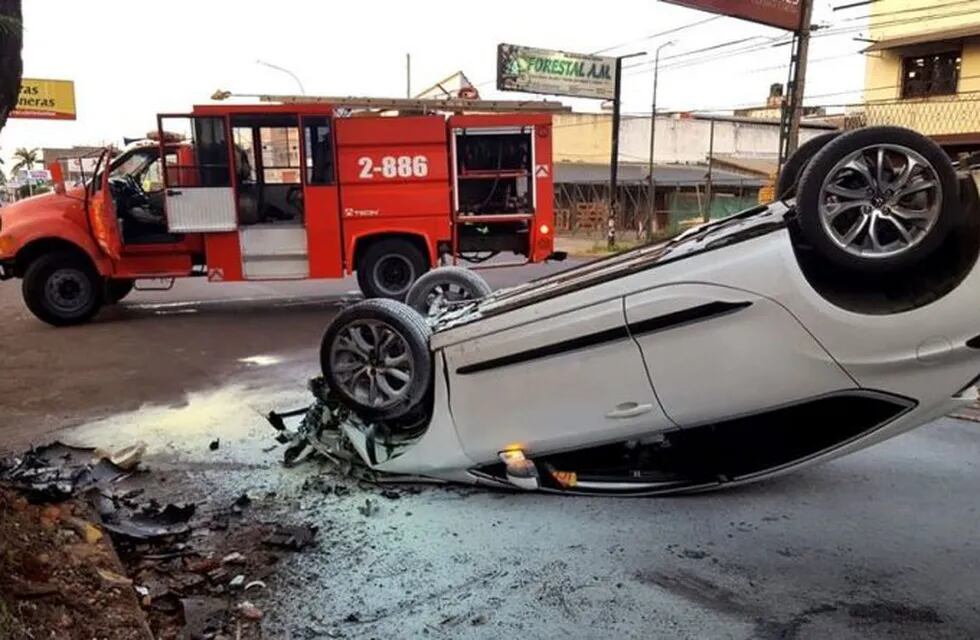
(102,214)
(548,377)
(715,352)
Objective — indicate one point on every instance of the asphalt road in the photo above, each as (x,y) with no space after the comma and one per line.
(880,544)
(158,346)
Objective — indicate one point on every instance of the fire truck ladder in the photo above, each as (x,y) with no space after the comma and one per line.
(418,105)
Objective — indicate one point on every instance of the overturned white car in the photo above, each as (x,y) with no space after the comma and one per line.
(841,315)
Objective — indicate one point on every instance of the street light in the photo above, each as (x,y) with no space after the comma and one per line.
(652,192)
(284,70)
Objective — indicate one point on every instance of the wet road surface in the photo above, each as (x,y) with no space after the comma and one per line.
(880,544)
(158,346)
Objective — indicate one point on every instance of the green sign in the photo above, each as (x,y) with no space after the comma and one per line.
(555,72)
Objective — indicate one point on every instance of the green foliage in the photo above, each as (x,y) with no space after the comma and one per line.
(26,159)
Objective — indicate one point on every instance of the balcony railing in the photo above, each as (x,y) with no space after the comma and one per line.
(947,116)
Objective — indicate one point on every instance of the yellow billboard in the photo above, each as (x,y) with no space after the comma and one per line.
(45,99)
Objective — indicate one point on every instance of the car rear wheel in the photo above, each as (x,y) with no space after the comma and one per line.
(878,200)
(789,177)
(62,289)
(375,356)
(388,268)
(445,286)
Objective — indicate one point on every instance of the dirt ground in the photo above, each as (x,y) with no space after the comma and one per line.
(56,580)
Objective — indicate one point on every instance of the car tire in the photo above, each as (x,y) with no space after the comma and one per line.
(388,268)
(363,338)
(789,177)
(877,222)
(62,289)
(446,285)
(117,290)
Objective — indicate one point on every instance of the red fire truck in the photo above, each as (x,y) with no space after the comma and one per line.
(296,189)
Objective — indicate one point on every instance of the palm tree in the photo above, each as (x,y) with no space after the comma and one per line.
(11,63)
(26,159)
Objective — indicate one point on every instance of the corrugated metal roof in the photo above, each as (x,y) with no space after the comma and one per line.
(666,175)
(924,37)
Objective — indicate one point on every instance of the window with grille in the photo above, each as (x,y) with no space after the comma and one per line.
(934,74)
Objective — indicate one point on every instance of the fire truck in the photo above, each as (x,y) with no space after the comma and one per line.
(291,188)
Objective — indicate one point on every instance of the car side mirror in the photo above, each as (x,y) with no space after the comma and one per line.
(57,177)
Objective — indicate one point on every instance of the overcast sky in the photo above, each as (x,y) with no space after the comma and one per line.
(131,59)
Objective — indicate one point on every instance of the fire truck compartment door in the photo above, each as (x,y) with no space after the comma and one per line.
(199,193)
(102,214)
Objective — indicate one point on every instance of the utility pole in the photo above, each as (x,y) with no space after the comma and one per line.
(408,75)
(789,130)
(709,186)
(651,186)
(614,155)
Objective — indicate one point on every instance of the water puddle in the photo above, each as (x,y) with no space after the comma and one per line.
(261,360)
(234,416)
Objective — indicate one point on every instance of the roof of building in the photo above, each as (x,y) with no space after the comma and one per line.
(760,167)
(924,37)
(666,175)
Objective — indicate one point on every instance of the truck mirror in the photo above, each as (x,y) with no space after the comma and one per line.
(57,177)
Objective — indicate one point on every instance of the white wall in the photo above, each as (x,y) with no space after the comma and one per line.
(686,140)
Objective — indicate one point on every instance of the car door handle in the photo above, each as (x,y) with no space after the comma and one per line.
(629,410)
(173,192)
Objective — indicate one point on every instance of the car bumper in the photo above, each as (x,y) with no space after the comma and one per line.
(6,269)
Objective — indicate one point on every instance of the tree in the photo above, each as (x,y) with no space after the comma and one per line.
(11,63)
(26,159)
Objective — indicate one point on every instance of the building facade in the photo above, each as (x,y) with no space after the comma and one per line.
(923,71)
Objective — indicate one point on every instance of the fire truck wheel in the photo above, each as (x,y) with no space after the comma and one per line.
(375,357)
(388,268)
(789,177)
(62,289)
(116,290)
(442,287)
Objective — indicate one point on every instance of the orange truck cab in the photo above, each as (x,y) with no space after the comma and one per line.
(286,191)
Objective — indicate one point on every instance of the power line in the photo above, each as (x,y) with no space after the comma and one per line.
(659,35)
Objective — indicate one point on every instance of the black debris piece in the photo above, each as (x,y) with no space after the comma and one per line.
(291,537)
(215,444)
(152,522)
(56,472)
(204,617)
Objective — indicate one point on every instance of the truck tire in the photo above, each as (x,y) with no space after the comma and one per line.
(388,268)
(789,177)
(375,357)
(62,289)
(116,290)
(446,285)
(878,200)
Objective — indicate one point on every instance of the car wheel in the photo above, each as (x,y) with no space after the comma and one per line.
(441,287)
(878,200)
(789,177)
(62,289)
(375,357)
(388,268)
(116,290)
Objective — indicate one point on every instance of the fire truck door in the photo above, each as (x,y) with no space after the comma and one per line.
(322,201)
(199,192)
(102,213)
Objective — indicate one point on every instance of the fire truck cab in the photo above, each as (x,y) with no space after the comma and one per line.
(290,190)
